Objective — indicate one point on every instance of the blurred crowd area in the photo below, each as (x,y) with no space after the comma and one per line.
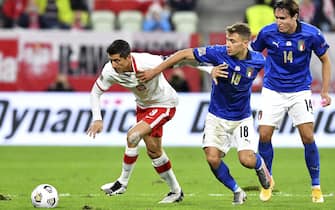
(102,15)
(145,15)
(186,16)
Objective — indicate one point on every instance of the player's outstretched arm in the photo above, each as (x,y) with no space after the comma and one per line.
(180,55)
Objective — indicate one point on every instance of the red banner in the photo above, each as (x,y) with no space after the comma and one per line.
(31,60)
(8,63)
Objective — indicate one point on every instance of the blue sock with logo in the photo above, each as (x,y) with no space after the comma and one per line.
(313,162)
(265,149)
(223,175)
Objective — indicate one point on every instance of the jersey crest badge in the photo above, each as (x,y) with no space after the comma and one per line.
(249,72)
(301,45)
(288,43)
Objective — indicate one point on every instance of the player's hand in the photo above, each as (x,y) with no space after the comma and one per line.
(326,99)
(95,127)
(145,76)
(219,71)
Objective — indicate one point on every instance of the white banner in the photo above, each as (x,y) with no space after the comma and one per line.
(62,119)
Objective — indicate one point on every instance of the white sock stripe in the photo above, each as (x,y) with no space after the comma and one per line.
(131,152)
(160,161)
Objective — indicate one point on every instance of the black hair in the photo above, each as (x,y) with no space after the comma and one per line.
(119,47)
(290,5)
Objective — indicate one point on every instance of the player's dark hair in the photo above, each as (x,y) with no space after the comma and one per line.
(119,47)
(290,5)
(240,28)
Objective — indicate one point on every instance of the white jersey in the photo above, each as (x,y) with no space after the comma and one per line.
(154,93)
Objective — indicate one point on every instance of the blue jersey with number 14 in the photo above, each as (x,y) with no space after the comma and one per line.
(289,55)
(230,99)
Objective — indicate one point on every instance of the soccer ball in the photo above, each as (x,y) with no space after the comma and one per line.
(44,196)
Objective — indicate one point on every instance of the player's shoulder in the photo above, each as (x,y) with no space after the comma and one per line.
(256,55)
(270,28)
(217,47)
(144,55)
(256,58)
(146,60)
(307,28)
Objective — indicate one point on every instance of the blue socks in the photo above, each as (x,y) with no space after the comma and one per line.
(313,162)
(223,175)
(266,151)
(311,157)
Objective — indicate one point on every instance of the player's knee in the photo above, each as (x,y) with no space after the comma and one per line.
(265,136)
(133,138)
(307,139)
(247,161)
(247,158)
(213,161)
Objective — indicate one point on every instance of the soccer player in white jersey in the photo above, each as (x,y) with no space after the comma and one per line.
(156,101)
(287,85)
(229,122)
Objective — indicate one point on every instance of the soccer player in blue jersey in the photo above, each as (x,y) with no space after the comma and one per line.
(287,85)
(229,122)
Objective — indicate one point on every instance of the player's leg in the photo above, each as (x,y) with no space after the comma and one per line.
(163,167)
(302,116)
(246,143)
(134,135)
(222,173)
(272,111)
(155,118)
(265,147)
(312,160)
(216,144)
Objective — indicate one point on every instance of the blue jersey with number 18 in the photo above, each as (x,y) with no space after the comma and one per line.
(230,99)
(287,63)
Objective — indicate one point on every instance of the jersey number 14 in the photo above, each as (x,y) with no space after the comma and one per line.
(288,56)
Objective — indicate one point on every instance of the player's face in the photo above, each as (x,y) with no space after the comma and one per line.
(236,45)
(119,63)
(286,23)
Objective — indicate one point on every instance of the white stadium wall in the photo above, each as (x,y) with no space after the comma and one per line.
(39,118)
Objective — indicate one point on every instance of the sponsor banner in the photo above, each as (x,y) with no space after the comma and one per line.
(63,118)
(30,60)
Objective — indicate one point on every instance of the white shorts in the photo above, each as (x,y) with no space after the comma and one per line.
(225,134)
(298,105)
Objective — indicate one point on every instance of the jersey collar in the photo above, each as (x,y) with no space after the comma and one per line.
(133,63)
(298,29)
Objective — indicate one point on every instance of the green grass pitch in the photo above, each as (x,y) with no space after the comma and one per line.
(78,172)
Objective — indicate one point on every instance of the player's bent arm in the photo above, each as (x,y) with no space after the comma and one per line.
(180,55)
(96,93)
(185,54)
(326,76)
(97,124)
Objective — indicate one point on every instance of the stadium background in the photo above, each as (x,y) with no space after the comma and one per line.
(42,133)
